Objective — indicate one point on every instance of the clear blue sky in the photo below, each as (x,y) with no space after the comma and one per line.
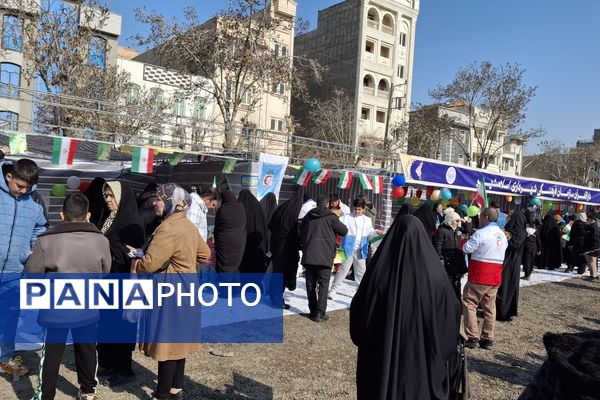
(556,41)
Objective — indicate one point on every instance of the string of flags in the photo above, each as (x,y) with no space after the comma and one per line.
(321,177)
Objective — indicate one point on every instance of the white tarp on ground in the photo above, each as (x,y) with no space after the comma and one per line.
(299,303)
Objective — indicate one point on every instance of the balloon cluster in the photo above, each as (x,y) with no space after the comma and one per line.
(73,183)
(398,191)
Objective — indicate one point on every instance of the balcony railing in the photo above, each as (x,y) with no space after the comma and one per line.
(369,90)
(373,24)
(387,29)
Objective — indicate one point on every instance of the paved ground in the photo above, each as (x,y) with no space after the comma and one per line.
(317,361)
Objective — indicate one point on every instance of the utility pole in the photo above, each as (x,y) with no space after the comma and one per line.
(387,119)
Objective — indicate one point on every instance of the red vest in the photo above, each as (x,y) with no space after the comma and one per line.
(485,272)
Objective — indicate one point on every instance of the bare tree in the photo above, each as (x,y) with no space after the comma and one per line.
(495,100)
(427,129)
(328,133)
(66,56)
(557,162)
(234,51)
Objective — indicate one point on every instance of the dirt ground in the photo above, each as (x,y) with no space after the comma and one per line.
(317,361)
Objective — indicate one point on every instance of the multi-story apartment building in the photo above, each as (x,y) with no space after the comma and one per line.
(463,144)
(18,19)
(259,110)
(367,47)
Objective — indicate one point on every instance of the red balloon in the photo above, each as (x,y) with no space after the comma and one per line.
(84,186)
(429,191)
(397,192)
(419,193)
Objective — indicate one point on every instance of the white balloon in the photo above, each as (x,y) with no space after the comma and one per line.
(73,182)
(517,200)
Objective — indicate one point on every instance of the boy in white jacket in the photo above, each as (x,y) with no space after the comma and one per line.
(355,244)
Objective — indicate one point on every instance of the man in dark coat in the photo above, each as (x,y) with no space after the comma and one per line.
(317,232)
(230,234)
(550,241)
(593,246)
(404,319)
(507,299)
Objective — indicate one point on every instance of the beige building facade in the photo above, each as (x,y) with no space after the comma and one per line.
(463,147)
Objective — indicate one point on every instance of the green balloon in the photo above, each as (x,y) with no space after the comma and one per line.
(401,201)
(549,205)
(473,211)
(59,190)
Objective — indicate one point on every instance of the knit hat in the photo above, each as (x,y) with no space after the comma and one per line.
(451,216)
(176,199)
(115,188)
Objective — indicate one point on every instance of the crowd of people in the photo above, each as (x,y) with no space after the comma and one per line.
(404,318)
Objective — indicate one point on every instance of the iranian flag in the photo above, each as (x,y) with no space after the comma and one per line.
(345,180)
(365,182)
(142,161)
(321,177)
(302,177)
(378,184)
(481,197)
(63,151)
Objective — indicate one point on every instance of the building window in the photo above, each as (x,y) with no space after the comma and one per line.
(460,159)
(401,71)
(370,47)
(98,51)
(518,157)
(134,93)
(382,86)
(247,97)
(10,79)
(387,23)
(380,117)
(281,50)
(157,96)
(12,33)
(373,19)
(403,39)
(384,52)
(199,107)
(276,124)
(278,88)
(9,120)
(179,105)
(365,113)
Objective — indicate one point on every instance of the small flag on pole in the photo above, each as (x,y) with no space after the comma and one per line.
(321,177)
(103,153)
(345,180)
(176,158)
(302,177)
(365,182)
(17,143)
(214,182)
(228,166)
(378,184)
(481,196)
(142,161)
(63,151)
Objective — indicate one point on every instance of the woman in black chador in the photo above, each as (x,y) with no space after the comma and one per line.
(255,254)
(404,319)
(507,299)
(550,240)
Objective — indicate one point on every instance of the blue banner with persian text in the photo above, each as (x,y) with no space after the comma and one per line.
(436,173)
